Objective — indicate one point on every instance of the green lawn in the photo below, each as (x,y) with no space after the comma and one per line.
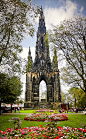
(74,120)
(26,111)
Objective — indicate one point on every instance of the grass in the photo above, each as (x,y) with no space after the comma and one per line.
(26,111)
(5,123)
(74,120)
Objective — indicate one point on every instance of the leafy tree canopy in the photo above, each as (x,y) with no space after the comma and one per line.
(78,96)
(70,39)
(10,88)
(16,18)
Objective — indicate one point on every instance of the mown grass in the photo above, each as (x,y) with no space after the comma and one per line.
(74,120)
(5,123)
(28,111)
(25,111)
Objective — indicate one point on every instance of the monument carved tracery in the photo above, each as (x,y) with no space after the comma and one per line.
(42,69)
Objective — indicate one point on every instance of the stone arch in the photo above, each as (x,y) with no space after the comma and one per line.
(43,77)
(49,84)
(42,91)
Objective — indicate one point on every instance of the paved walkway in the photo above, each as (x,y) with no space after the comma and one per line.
(29,113)
(14,113)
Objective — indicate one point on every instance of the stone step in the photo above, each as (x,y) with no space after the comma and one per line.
(45,105)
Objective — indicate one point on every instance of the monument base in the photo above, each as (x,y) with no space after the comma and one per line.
(41,105)
(30,105)
(56,105)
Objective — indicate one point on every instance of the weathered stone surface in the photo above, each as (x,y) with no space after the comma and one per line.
(42,70)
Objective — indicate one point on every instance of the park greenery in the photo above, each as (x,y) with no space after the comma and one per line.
(78,97)
(50,132)
(15,126)
(69,38)
(46,117)
(17,19)
(10,88)
(75,97)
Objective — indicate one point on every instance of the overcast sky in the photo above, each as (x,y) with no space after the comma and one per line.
(55,11)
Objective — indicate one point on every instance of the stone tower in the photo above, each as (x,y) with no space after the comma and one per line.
(42,69)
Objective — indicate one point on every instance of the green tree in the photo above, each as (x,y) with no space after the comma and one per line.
(78,96)
(10,88)
(20,101)
(16,19)
(63,96)
(70,39)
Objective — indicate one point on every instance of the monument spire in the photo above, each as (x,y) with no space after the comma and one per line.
(42,69)
(29,53)
(42,49)
(30,61)
(41,12)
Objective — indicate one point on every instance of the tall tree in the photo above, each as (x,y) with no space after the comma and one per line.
(16,19)
(78,96)
(70,39)
(63,96)
(10,88)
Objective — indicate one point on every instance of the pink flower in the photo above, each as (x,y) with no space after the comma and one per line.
(23,133)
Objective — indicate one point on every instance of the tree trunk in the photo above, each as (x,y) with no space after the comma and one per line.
(85,96)
(11,108)
(0,107)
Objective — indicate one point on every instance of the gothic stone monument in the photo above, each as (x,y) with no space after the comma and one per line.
(42,69)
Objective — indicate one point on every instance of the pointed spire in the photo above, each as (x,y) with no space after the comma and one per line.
(30,61)
(41,23)
(29,53)
(41,13)
(55,62)
(41,10)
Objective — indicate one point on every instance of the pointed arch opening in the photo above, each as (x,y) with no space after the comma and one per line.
(42,91)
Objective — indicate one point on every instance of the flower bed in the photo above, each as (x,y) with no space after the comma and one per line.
(44,110)
(44,133)
(44,117)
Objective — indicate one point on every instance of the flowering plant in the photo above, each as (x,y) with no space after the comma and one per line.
(44,110)
(44,117)
(16,121)
(45,133)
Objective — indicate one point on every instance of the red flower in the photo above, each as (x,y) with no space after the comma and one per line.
(29,130)
(57,137)
(25,128)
